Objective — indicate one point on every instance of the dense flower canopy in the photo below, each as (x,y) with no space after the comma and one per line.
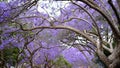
(37,33)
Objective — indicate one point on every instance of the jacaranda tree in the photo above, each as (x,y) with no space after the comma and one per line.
(33,38)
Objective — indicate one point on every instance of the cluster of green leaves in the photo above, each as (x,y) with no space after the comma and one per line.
(61,63)
(10,55)
(3,0)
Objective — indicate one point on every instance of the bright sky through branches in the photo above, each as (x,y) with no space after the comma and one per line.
(52,8)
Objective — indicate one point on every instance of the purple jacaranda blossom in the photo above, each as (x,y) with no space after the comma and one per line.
(77,58)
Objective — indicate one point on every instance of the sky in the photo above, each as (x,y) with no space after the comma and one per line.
(52,8)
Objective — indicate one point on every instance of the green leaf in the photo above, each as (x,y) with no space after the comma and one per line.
(61,62)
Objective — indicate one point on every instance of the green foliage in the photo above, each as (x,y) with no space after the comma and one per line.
(10,55)
(62,63)
(3,0)
(12,24)
(25,34)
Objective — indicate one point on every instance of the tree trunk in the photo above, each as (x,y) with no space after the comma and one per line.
(103,58)
(115,57)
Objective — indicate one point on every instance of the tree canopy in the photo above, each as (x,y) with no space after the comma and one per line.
(49,34)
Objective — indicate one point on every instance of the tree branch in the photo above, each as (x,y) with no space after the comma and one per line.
(61,27)
(115,11)
(110,22)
